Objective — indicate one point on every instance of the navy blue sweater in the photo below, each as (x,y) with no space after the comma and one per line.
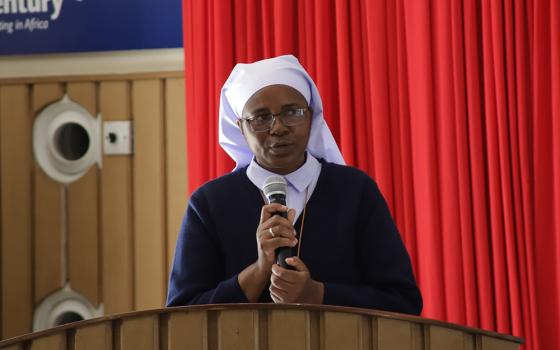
(350,243)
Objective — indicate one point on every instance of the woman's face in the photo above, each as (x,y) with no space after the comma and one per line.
(282,148)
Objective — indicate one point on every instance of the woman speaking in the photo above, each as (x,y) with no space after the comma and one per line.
(346,248)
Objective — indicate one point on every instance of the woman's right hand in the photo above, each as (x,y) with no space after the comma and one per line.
(273,232)
(255,277)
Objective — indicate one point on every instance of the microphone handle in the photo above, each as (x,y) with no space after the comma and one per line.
(281,254)
(284,252)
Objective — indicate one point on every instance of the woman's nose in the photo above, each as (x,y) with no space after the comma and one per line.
(278,126)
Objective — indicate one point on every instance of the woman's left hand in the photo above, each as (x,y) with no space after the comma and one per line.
(295,286)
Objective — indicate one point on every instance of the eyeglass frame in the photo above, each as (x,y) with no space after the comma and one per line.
(275,116)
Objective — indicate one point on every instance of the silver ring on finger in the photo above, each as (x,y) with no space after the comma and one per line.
(271,232)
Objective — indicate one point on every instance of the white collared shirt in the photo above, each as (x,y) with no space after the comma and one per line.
(301,183)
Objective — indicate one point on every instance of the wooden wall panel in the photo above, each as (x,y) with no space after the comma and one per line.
(48,204)
(292,322)
(95,337)
(116,208)
(55,341)
(187,331)
(16,275)
(237,330)
(82,212)
(149,190)
(141,333)
(176,162)
(98,211)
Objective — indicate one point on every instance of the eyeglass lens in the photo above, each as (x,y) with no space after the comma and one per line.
(289,117)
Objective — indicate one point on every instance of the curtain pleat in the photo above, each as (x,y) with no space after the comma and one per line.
(452,107)
(379,95)
(494,113)
(408,225)
(520,293)
(555,92)
(254,32)
(390,140)
(545,213)
(523,90)
(326,63)
(447,165)
(478,157)
(345,88)
(424,160)
(471,315)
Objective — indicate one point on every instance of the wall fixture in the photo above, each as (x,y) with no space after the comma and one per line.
(66,140)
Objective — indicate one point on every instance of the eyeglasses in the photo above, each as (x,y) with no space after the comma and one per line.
(265,121)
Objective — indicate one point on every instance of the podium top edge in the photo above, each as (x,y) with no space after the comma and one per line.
(163,312)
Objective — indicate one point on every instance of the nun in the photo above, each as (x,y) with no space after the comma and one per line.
(347,249)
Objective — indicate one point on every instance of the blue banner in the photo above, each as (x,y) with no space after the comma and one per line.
(49,26)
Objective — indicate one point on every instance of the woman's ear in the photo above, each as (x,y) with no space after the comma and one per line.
(239,125)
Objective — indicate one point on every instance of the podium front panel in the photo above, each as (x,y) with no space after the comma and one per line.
(262,327)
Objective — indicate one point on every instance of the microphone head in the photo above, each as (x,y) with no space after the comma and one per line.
(275,186)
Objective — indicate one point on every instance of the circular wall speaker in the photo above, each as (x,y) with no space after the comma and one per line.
(66,140)
(62,307)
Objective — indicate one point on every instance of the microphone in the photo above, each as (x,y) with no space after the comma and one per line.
(275,189)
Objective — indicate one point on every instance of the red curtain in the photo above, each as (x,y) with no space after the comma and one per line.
(452,106)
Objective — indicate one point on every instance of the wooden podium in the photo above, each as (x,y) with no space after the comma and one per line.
(261,326)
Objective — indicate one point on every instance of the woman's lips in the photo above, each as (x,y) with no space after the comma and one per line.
(281,147)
